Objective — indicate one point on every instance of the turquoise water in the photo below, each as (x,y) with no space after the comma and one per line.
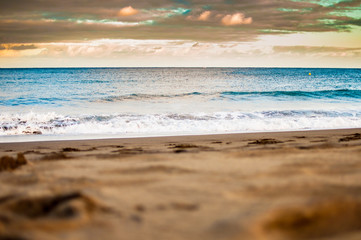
(122,102)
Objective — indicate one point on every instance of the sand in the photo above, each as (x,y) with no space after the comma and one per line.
(287,185)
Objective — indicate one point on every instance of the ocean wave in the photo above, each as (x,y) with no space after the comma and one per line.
(342,94)
(333,94)
(139,96)
(171,123)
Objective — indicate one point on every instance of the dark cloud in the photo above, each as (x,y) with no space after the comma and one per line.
(50,32)
(23,47)
(348,3)
(28,21)
(356,22)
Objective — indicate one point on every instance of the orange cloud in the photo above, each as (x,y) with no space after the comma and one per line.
(236,19)
(204,16)
(127,11)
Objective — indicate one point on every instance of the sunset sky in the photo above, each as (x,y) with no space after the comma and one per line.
(157,33)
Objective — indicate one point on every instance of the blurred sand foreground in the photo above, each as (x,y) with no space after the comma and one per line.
(289,185)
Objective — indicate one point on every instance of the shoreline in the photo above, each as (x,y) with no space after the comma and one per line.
(269,185)
(195,137)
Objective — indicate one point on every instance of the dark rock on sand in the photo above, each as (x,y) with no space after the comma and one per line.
(10,163)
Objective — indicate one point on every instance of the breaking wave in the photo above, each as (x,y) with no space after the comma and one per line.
(153,124)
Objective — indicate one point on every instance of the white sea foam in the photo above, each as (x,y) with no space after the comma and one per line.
(174,124)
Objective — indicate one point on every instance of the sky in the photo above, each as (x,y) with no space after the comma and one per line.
(180,33)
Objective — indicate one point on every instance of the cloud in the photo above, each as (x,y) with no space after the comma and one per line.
(204,16)
(320,51)
(152,53)
(127,48)
(17,47)
(127,11)
(224,19)
(118,48)
(303,49)
(22,47)
(137,48)
(236,19)
(24,21)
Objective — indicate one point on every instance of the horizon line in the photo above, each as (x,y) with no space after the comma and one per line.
(4,68)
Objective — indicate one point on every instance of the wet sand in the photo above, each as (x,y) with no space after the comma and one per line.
(287,185)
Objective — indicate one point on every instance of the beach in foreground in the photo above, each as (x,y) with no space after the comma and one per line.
(285,185)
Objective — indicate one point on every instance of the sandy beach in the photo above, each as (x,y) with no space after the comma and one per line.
(284,185)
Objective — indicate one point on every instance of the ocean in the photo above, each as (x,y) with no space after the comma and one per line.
(84,103)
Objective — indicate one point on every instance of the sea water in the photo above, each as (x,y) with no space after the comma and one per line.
(80,103)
